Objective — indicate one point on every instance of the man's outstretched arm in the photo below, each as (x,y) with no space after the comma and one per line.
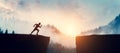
(40,26)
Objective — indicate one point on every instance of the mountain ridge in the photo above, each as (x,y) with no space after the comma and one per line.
(111,28)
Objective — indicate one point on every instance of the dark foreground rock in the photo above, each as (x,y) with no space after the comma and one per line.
(98,44)
(21,43)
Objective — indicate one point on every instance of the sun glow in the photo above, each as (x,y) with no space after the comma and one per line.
(71,31)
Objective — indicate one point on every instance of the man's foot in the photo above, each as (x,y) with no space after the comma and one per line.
(30,34)
(37,34)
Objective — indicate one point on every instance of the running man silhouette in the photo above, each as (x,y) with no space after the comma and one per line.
(36,28)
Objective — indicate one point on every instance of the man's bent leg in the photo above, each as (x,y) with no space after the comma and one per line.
(37,31)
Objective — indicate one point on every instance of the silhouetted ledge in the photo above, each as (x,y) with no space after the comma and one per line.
(98,44)
(23,43)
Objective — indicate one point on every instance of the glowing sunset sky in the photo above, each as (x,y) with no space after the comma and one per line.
(70,16)
(80,15)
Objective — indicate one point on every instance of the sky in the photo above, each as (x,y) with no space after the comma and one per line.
(69,16)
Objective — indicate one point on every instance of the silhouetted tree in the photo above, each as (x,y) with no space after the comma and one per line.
(1,31)
(6,31)
(13,32)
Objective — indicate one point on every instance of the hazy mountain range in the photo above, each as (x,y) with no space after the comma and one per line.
(112,28)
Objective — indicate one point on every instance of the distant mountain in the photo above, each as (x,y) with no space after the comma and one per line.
(53,28)
(112,28)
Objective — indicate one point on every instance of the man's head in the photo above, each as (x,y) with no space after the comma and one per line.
(39,23)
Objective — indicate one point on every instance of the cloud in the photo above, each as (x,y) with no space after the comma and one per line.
(57,12)
(80,15)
